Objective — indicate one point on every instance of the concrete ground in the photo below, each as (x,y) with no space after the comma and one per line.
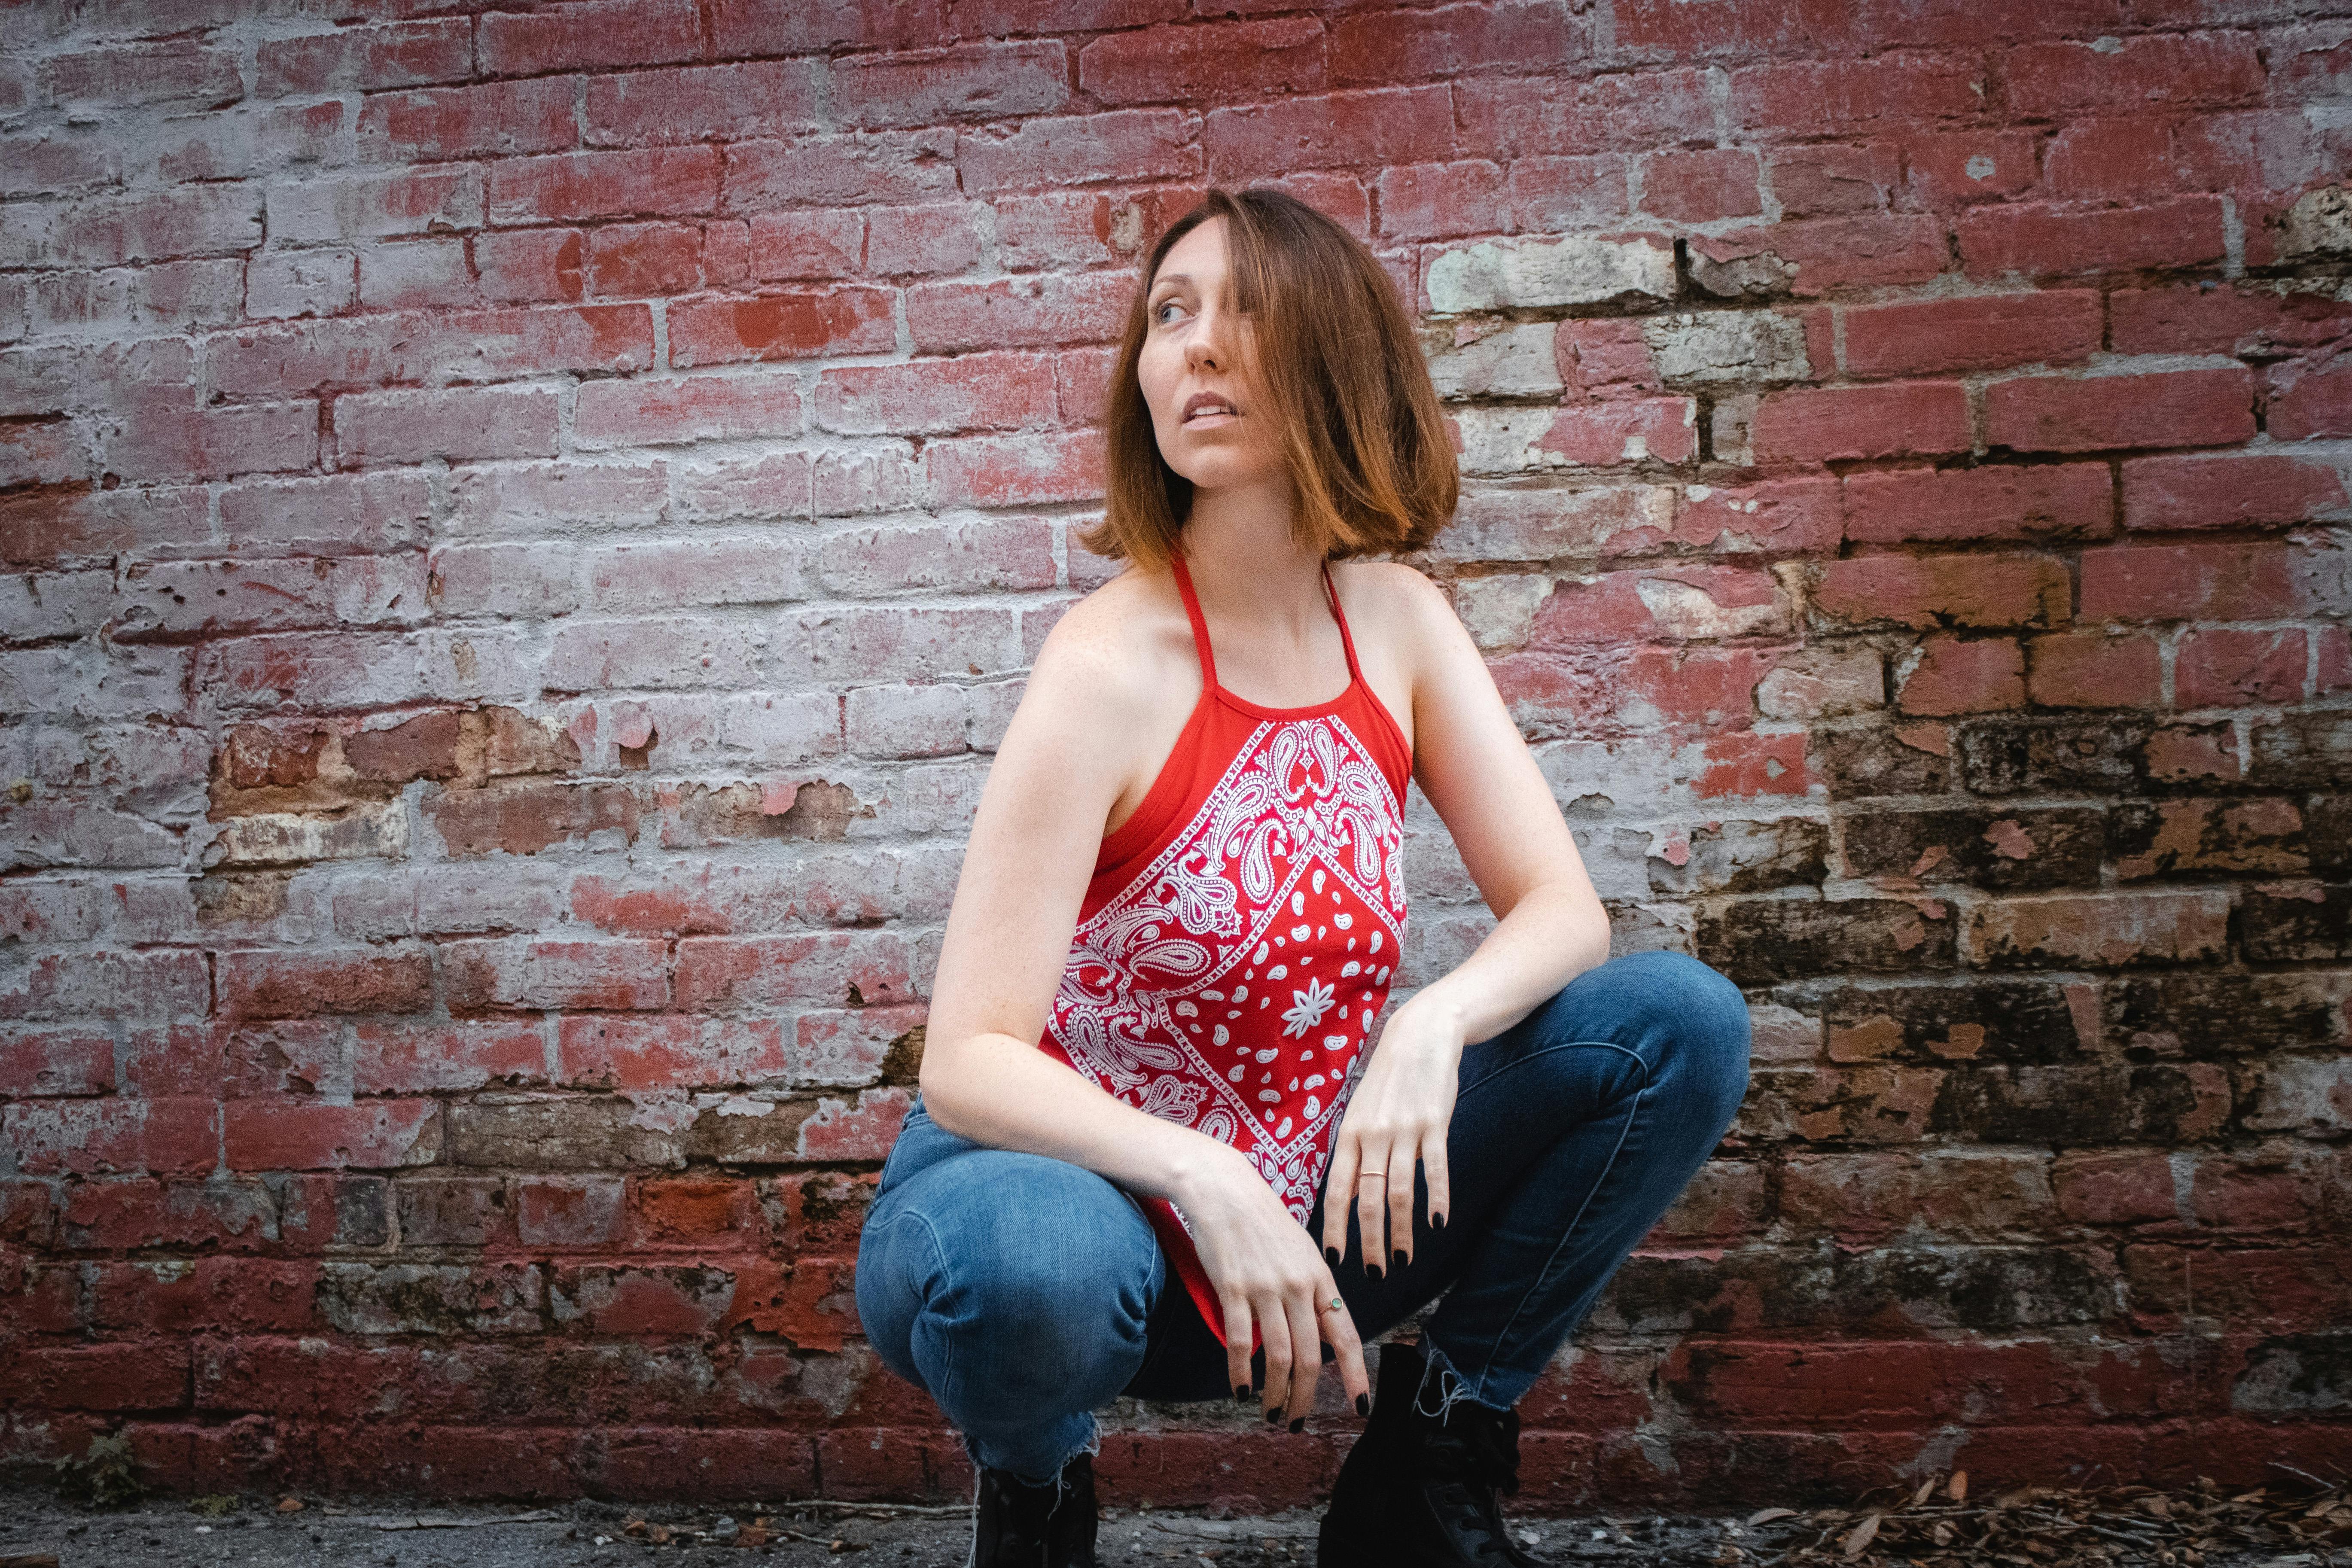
(160,1532)
(173,1532)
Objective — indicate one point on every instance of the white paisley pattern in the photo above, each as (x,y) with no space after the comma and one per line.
(1195,992)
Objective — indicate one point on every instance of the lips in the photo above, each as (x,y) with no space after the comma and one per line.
(1208,403)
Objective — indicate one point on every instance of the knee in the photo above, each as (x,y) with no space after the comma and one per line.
(1706,1015)
(1060,1281)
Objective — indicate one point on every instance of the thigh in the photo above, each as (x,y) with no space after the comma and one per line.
(1623,1027)
(999,1241)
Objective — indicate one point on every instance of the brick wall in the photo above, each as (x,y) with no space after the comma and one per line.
(524,528)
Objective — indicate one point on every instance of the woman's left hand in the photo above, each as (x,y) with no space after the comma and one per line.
(1398,1114)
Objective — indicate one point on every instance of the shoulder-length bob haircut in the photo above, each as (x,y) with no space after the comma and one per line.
(1337,367)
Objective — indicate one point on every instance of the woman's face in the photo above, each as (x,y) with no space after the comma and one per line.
(1191,356)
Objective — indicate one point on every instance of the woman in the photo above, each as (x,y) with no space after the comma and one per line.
(1179,914)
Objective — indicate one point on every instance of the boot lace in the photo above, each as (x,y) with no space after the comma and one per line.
(1480,1453)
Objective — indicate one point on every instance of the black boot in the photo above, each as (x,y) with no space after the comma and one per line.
(1418,1491)
(1018,1525)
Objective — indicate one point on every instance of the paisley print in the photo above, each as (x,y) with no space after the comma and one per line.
(1225,975)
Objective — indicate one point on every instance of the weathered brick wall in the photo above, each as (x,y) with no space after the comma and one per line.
(525,527)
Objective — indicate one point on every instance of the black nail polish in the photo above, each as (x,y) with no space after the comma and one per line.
(1437,1222)
(1399,1258)
(1273,1416)
(1332,1254)
(1299,1425)
(1241,1394)
(1363,1405)
(1329,1355)
(1374,1269)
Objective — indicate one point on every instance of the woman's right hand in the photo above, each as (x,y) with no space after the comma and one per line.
(1266,1272)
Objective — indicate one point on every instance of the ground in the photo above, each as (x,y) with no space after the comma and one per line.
(266,1533)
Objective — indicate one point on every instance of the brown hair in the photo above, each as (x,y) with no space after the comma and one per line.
(1337,367)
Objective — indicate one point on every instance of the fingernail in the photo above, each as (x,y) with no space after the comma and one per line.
(1437,1222)
(1329,1355)
(1399,1258)
(1374,1269)
(1332,1253)
(1273,1416)
(1363,1405)
(1299,1425)
(1241,1392)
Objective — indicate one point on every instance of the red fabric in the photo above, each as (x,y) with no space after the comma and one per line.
(1239,933)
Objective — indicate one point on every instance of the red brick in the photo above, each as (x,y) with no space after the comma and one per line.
(2064,414)
(2305,403)
(1746,763)
(570,186)
(486,345)
(1955,676)
(2210,582)
(368,58)
(86,1137)
(569,1211)
(2066,81)
(460,424)
(519,266)
(1218,61)
(1972,335)
(205,1295)
(995,80)
(781,326)
(2095,670)
(294,984)
(544,974)
(1832,253)
(182,73)
(1679,601)
(636,259)
(697,104)
(278,1135)
(2100,930)
(695,1212)
(126,1377)
(158,439)
(2236,491)
(1813,182)
(2227,667)
(1926,592)
(1828,424)
(588,33)
(489,119)
(828,969)
(77,1061)
(421,1055)
(2244,320)
(657,412)
(669,1052)
(2054,240)
(1994,500)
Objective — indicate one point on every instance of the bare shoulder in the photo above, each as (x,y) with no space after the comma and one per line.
(1103,657)
(1404,610)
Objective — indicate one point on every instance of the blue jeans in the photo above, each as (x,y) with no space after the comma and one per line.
(1024,1292)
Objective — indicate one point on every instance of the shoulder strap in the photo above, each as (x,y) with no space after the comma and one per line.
(1200,623)
(1346,640)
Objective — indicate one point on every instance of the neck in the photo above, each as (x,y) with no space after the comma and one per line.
(1238,548)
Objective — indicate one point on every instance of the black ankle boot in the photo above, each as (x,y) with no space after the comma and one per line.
(1418,1491)
(1018,1525)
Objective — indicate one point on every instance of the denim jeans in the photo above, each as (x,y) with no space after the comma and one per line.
(1023,1291)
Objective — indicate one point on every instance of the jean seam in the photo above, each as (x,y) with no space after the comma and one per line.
(1524,1057)
(939,1262)
(1487,1365)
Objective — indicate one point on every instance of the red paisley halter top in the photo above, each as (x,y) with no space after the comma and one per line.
(1238,935)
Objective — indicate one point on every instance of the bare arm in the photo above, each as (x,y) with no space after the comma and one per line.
(1475,768)
(1035,837)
